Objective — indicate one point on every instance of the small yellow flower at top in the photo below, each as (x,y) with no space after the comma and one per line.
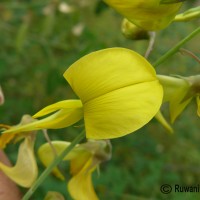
(150,15)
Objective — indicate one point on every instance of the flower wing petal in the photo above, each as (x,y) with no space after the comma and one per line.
(122,111)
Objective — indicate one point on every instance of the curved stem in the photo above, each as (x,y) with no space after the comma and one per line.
(151,44)
(56,161)
(176,48)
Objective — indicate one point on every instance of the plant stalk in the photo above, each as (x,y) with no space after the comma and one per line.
(176,48)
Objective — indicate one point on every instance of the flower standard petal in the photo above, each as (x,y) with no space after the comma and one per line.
(119,91)
(106,70)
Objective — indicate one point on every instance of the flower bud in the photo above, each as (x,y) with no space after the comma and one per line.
(133,32)
(54,196)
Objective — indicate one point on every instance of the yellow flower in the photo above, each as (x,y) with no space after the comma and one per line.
(84,159)
(179,91)
(118,90)
(25,171)
(150,15)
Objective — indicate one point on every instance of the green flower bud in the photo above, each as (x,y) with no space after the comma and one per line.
(133,32)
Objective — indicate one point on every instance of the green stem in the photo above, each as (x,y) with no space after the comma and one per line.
(176,48)
(56,161)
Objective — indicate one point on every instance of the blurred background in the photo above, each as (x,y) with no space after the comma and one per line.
(39,40)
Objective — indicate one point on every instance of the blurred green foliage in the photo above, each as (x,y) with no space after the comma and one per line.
(40,39)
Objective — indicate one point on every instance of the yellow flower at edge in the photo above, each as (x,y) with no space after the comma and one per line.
(118,90)
(84,159)
(25,171)
(179,91)
(150,15)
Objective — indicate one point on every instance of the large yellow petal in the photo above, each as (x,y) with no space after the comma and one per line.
(122,111)
(106,70)
(80,186)
(147,14)
(119,95)
(25,171)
